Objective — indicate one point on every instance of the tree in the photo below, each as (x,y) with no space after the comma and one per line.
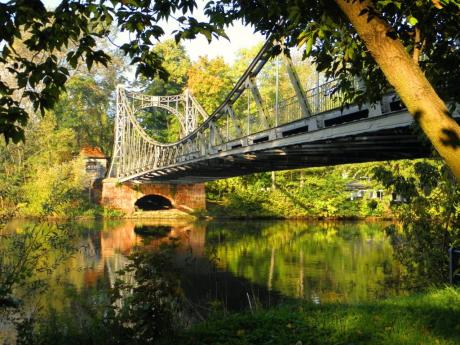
(371,39)
(428,223)
(75,27)
(177,63)
(210,81)
(409,81)
(84,109)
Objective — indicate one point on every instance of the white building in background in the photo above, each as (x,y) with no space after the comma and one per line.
(360,190)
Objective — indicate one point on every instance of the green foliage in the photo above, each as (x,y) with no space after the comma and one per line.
(45,148)
(57,192)
(111,213)
(143,307)
(149,308)
(320,192)
(421,319)
(430,219)
(85,110)
(333,261)
(12,174)
(79,26)
(333,44)
(428,29)
(210,80)
(22,256)
(26,259)
(42,176)
(87,326)
(177,63)
(53,181)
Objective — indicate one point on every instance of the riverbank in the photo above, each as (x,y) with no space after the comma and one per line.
(429,318)
(215,211)
(224,210)
(273,270)
(271,209)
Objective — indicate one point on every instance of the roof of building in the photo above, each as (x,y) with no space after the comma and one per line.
(355,185)
(92,152)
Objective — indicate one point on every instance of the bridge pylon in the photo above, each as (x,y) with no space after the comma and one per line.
(133,148)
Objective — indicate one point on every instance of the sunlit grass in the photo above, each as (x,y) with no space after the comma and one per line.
(431,318)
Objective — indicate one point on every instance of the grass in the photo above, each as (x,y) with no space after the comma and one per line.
(430,318)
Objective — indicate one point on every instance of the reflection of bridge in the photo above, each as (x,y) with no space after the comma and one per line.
(110,250)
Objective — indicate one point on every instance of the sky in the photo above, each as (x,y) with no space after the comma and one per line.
(240,36)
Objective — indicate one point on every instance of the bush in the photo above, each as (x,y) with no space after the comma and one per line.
(59,191)
(429,222)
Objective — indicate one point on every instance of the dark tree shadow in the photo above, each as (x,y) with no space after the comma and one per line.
(292,197)
(450,138)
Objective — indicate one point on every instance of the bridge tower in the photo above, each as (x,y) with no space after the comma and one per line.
(134,151)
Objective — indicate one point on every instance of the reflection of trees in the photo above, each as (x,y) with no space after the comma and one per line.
(117,243)
(345,261)
(29,253)
(95,252)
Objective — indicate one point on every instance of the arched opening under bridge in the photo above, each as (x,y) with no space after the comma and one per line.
(153,202)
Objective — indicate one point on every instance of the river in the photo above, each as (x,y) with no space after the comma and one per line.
(234,264)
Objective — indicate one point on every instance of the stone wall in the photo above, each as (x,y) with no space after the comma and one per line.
(185,197)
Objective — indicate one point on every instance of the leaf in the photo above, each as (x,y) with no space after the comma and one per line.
(309,45)
(412,20)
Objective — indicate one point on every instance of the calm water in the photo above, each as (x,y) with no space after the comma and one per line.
(232,263)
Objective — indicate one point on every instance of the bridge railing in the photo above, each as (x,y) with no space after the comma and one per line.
(321,99)
(324,97)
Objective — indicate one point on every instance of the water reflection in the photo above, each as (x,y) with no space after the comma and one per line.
(322,262)
(152,230)
(235,264)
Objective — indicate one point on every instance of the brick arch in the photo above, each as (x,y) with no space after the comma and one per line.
(163,190)
(166,196)
(153,202)
(184,197)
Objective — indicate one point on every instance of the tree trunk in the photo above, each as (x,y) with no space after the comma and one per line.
(409,82)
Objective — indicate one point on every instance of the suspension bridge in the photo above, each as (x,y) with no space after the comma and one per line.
(248,134)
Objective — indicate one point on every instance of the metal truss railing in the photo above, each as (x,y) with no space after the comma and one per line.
(135,152)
